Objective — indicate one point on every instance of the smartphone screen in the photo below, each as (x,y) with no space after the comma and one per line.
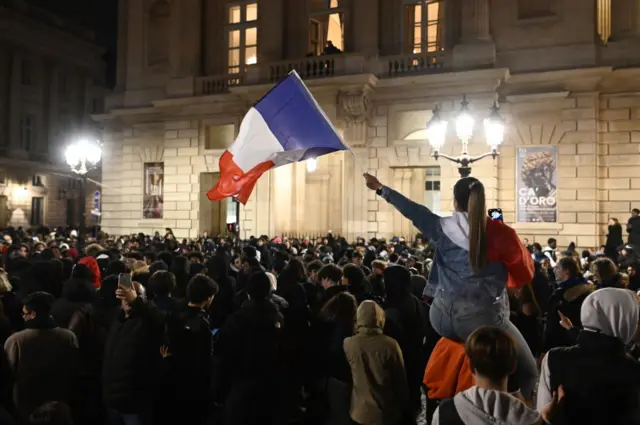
(495,214)
(124,280)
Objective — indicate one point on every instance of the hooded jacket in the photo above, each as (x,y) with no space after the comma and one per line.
(508,261)
(380,391)
(92,264)
(601,381)
(480,406)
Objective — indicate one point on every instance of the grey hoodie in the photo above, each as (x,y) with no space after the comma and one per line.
(610,311)
(479,406)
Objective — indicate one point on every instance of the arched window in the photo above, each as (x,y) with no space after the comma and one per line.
(158,30)
(417,135)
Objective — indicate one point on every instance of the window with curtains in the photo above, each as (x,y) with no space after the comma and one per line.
(242,36)
(326,28)
(424,26)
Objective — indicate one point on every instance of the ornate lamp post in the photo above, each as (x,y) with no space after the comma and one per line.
(312,165)
(437,134)
(82,157)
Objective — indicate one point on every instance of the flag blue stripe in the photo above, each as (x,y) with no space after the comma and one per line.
(295,119)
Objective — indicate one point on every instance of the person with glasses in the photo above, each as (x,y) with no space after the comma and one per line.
(43,357)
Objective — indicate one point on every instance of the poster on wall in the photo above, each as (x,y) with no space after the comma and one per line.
(536,179)
(153,199)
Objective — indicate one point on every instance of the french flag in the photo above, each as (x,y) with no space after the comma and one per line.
(287,125)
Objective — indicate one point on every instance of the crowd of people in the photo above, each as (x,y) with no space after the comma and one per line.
(148,329)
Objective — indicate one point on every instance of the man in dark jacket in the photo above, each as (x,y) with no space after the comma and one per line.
(330,278)
(249,359)
(131,358)
(42,357)
(633,227)
(407,324)
(189,355)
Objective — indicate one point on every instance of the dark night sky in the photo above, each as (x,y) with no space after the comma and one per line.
(100,16)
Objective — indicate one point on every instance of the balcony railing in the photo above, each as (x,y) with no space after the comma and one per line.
(317,67)
(413,63)
(216,84)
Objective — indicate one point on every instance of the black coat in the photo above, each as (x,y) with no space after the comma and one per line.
(76,293)
(248,364)
(614,240)
(131,359)
(567,299)
(633,228)
(406,322)
(601,382)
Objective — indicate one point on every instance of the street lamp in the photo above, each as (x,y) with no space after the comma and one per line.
(83,156)
(437,134)
(312,165)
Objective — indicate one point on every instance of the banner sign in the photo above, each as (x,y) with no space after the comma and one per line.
(153,199)
(536,179)
(95,209)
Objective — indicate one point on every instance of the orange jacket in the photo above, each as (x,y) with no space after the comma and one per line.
(447,371)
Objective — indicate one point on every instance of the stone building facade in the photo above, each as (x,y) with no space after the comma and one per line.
(564,73)
(51,80)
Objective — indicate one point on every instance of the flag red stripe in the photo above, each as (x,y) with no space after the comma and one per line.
(233,181)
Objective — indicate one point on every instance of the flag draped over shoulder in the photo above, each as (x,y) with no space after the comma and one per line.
(287,125)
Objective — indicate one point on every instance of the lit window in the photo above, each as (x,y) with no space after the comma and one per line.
(432,189)
(252,12)
(326,33)
(242,37)
(234,14)
(424,22)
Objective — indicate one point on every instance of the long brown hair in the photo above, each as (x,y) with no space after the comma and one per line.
(469,195)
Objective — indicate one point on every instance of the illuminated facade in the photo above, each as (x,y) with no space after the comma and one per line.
(563,73)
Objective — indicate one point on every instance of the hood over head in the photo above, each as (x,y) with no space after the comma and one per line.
(480,406)
(370,316)
(611,311)
(456,228)
(92,264)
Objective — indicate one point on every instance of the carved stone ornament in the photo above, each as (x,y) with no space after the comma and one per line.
(355,107)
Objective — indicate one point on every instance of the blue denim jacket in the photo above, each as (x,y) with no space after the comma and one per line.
(451,275)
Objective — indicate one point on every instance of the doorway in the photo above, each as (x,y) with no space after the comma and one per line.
(213,214)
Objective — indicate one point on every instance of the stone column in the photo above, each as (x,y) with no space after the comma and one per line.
(477,47)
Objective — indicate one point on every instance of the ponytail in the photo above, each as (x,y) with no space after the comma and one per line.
(477,227)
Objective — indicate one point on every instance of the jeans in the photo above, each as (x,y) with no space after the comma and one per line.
(457,320)
(117,418)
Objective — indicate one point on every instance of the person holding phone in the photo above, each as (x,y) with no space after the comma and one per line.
(129,372)
(476,260)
